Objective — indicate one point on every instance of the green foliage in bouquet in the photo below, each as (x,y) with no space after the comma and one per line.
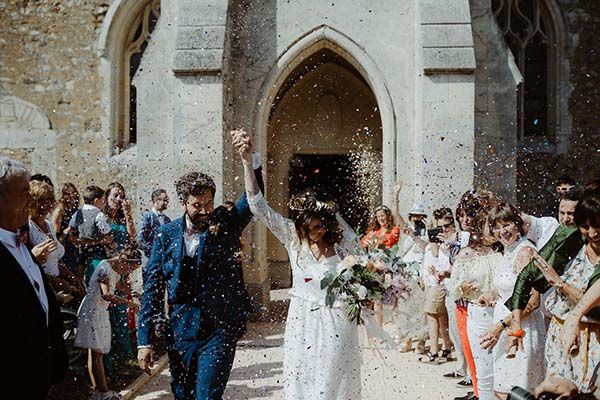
(357,285)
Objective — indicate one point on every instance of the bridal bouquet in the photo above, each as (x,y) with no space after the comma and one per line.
(365,278)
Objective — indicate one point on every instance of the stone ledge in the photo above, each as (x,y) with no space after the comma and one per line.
(198,61)
(444,11)
(448,61)
(200,38)
(202,12)
(456,35)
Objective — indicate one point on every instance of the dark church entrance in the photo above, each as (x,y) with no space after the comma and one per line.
(330,175)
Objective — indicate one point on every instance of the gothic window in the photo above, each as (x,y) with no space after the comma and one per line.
(529,33)
(134,47)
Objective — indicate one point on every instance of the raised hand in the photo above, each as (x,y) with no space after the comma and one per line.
(398,186)
(242,143)
(41,250)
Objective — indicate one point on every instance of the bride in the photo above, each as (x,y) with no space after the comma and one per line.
(321,350)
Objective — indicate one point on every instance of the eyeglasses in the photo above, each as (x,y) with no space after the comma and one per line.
(447,226)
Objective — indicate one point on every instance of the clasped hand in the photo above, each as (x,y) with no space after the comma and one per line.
(242,142)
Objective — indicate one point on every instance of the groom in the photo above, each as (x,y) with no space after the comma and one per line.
(195,259)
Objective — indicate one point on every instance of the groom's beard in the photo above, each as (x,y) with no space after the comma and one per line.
(199,223)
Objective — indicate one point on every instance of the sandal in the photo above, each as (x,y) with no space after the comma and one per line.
(446,355)
(429,358)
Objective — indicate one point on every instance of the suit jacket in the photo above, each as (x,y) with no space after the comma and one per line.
(210,293)
(147,229)
(35,354)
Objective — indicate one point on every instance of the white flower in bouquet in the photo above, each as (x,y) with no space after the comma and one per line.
(356,287)
(362,292)
(349,261)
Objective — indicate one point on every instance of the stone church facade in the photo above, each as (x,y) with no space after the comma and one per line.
(445,95)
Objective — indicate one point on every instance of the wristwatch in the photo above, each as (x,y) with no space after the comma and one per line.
(560,284)
(504,324)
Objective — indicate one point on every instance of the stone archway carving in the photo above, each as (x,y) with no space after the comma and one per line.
(26,135)
(327,37)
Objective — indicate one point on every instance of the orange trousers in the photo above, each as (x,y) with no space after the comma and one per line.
(461,321)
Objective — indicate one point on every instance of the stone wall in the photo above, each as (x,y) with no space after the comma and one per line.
(49,58)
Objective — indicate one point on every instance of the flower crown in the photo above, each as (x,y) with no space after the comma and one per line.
(307,202)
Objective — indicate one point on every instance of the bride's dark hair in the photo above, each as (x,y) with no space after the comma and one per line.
(305,206)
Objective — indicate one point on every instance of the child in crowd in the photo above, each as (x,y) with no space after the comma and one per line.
(93,324)
(89,229)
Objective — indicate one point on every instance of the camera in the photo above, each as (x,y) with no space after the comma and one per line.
(420,228)
(434,233)
(518,393)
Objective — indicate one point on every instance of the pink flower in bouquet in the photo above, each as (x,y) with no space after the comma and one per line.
(380,265)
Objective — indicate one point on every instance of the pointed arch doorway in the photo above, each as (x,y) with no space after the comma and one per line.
(324,120)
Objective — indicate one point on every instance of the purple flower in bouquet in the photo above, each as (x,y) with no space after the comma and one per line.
(397,288)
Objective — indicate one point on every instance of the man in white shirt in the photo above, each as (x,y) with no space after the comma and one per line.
(34,348)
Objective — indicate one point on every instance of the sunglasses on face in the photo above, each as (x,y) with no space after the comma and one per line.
(564,188)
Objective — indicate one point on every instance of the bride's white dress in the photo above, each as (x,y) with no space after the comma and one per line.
(321,349)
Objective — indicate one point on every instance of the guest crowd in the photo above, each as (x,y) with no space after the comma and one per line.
(87,251)
(513,296)
(510,297)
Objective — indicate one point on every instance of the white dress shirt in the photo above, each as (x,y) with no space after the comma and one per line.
(159,215)
(23,257)
(191,241)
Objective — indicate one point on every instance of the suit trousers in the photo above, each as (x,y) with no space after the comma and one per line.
(479,320)
(200,369)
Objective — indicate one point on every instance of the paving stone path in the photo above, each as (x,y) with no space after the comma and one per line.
(258,372)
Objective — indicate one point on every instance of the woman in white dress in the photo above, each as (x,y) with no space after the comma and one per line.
(93,318)
(525,368)
(321,349)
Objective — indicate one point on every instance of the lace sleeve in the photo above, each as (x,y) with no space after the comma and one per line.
(283,228)
(350,243)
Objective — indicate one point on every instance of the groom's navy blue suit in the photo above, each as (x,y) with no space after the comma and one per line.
(207,301)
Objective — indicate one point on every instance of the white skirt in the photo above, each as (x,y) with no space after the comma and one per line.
(93,327)
(321,353)
(526,369)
